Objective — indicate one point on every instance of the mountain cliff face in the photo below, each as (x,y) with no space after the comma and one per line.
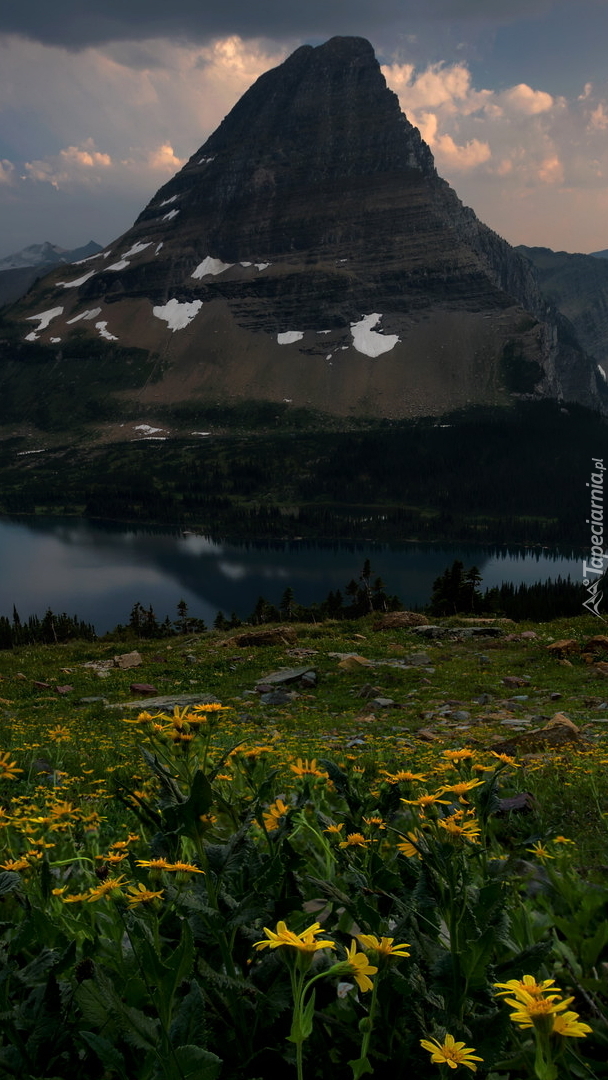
(578,286)
(309,252)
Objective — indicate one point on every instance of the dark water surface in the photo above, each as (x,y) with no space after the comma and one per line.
(99,570)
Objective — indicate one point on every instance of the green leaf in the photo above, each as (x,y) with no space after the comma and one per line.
(187,815)
(360,1066)
(188,1024)
(9,881)
(193,1061)
(107,1053)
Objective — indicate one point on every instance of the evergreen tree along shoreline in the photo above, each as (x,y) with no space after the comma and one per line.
(455,592)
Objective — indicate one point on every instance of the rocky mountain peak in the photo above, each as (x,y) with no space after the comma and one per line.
(309,252)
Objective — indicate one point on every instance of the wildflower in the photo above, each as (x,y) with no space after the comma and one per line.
(359,967)
(75,898)
(334,828)
(8,768)
(305,942)
(354,839)
(562,840)
(451,1053)
(273,815)
(457,756)
(375,821)
(113,857)
(536,1011)
(404,776)
(383,946)
(184,867)
(408,847)
(138,894)
(15,865)
(505,759)
(569,1025)
(306,768)
(458,829)
(463,788)
(426,800)
(212,706)
(528,985)
(105,888)
(153,864)
(59,734)
(540,851)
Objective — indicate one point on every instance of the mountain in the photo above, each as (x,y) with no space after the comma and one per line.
(600,254)
(578,286)
(309,253)
(20,270)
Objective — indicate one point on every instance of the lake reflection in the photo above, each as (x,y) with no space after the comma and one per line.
(98,571)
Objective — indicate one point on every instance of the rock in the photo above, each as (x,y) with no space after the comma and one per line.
(64,689)
(523,803)
(561,720)
(354,662)
(384,703)
(529,635)
(41,685)
(274,635)
(431,631)
(598,643)
(461,714)
(601,669)
(515,680)
(92,701)
(563,646)
(420,659)
(169,702)
(142,688)
(278,697)
(395,619)
(427,735)
(127,660)
(285,675)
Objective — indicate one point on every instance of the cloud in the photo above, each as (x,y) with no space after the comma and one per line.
(524,99)
(7,172)
(77,25)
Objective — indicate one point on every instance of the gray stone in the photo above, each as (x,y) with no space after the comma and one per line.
(92,701)
(286,675)
(127,660)
(384,703)
(461,714)
(169,702)
(278,697)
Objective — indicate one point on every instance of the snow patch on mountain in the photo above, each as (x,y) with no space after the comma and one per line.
(368,341)
(43,319)
(289,336)
(77,282)
(92,313)
(211,266)
(177,315)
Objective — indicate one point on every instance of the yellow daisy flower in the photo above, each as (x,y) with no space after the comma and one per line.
(451,1053)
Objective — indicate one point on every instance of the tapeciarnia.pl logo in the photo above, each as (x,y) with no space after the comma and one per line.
(594,569)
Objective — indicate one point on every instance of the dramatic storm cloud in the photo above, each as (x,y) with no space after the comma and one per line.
(100,105)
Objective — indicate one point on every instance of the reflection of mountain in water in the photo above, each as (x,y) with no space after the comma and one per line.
(99,570)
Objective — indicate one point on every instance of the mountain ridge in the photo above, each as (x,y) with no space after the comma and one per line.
(309,253)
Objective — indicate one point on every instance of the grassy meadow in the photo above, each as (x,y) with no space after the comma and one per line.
(395,865)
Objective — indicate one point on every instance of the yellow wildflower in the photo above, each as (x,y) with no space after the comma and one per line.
(359,967)
(375,821)
(427,800)
(306,768)
(408,846)
(354,839)
(404,776)
(569,1025)
(8,768)
(273,815)
(59,734)
(505,759)
(458,829)
(138,894)
(184,867)
(383,946)
(451,1053)
(536,1011)
(528,986)
(334,828)
(15,865)
(106,887)
(540,851)
(458,755)
(461,789)
(305,942)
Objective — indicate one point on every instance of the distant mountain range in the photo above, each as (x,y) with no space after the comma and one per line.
(310,254)
(19,271)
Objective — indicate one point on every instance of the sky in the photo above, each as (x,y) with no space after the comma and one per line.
(100,104)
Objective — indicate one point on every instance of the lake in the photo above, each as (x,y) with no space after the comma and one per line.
(99,570)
